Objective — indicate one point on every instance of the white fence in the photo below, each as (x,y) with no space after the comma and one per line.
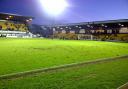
(16,34)
(12,32)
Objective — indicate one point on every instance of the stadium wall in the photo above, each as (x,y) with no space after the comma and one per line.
(110,34)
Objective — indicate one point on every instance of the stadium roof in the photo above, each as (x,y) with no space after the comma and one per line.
(15,17)
(95,22)
(108,24)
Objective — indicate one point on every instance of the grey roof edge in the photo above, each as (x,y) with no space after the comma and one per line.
(92,22)
(16,15)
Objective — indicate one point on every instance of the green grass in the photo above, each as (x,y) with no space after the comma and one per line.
(18,55)
(108,75)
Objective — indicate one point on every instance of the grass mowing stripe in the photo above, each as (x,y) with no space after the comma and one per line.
(19,55)
(107,75)
(27,73)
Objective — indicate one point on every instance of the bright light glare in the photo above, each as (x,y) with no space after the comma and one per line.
(54,7)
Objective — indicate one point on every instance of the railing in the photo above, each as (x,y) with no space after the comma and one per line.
(12,32)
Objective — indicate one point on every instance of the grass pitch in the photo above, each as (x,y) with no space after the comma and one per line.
(109,75)
(19,55)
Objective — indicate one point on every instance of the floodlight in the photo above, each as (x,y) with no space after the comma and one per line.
(106,26)
(76,26)
(30,19)
(10,16)
(122,25)
(80,27)
(88,25)
(92,27)
(119,24)
(54,7)
(7,18)
(27,20)
(102,25)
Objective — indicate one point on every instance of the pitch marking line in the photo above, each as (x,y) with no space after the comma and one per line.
(125,86)
(55,68)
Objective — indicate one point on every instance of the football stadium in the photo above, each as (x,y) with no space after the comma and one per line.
(83,55)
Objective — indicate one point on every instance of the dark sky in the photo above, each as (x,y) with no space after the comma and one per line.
(79,11)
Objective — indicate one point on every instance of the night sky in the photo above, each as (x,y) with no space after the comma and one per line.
(79,10)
